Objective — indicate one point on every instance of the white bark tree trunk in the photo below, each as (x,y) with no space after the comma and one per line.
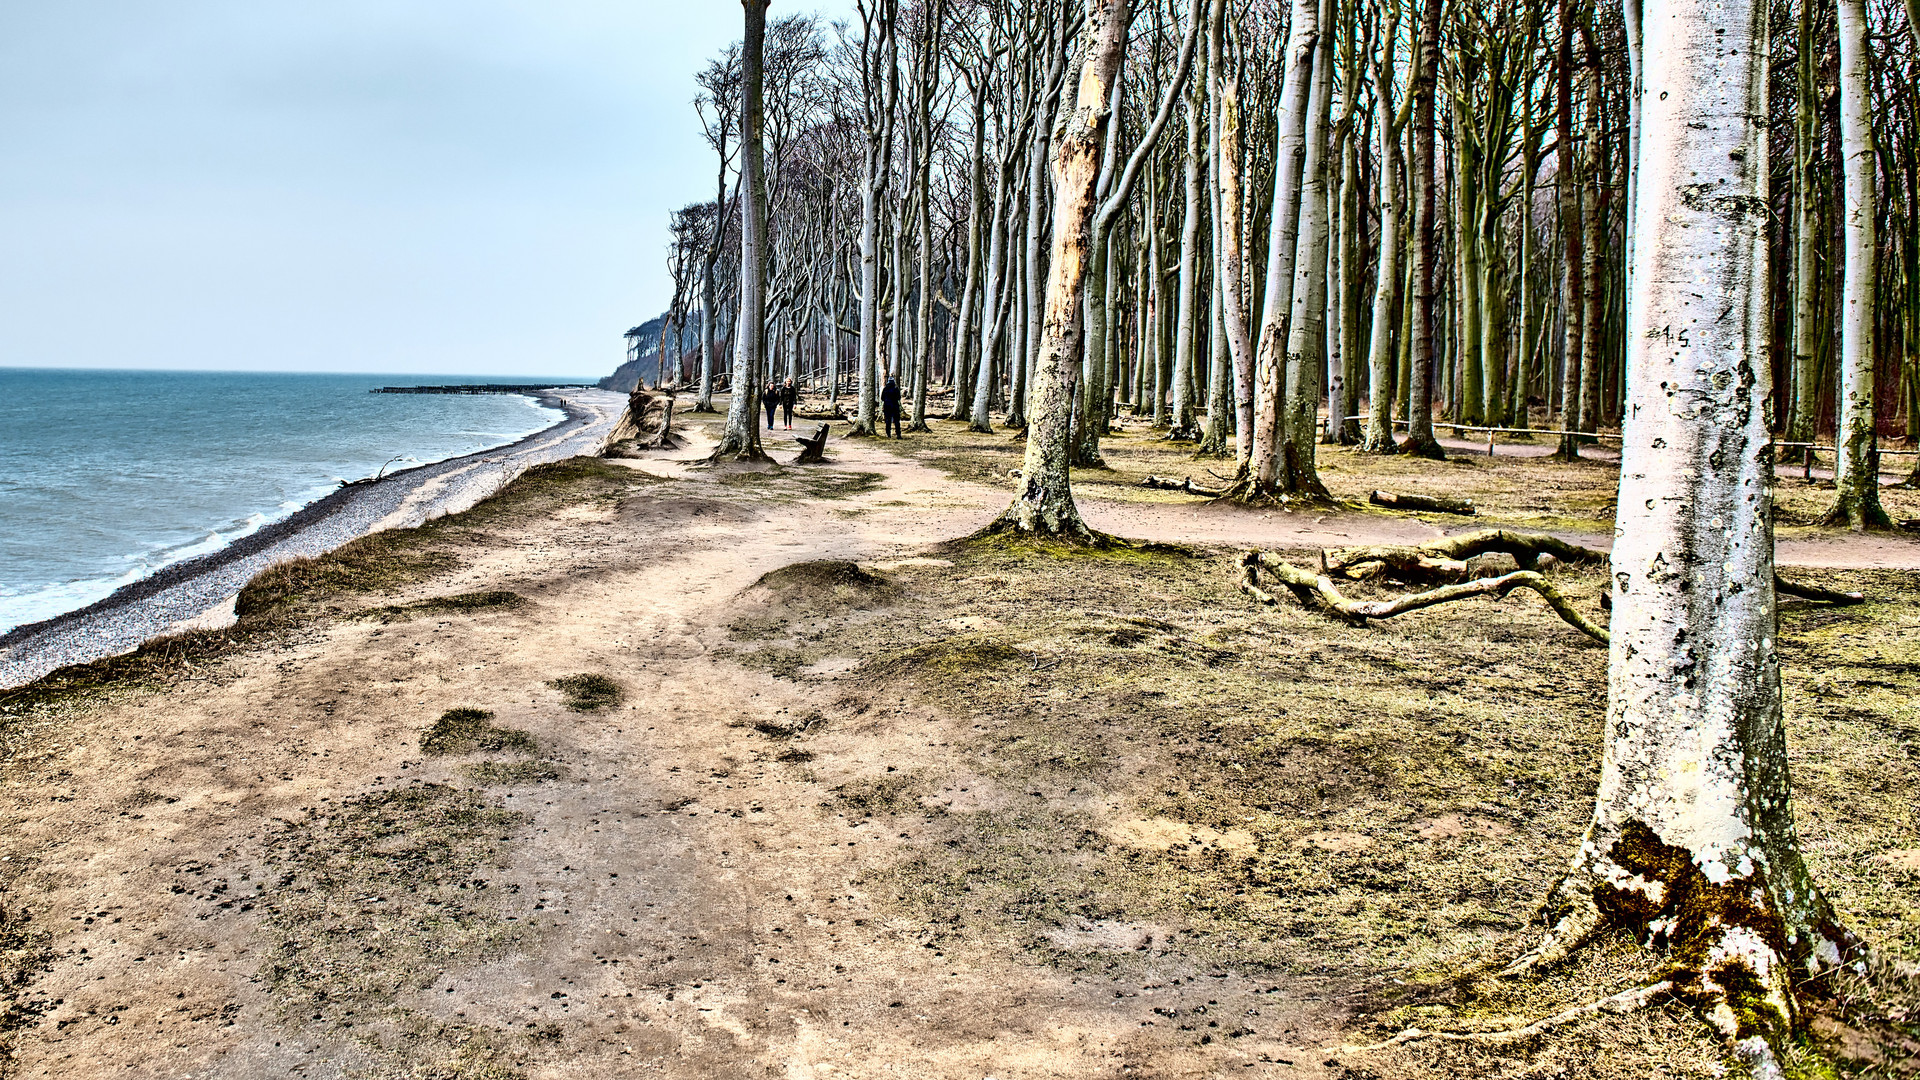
(1381,354)
(1044,505)
(1307,325)
(740,438)
(1188,320)
(1857,475)
(1303,35)
(1692,835)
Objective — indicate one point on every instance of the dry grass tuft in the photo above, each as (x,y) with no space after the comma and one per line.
(588,692)
(466,731)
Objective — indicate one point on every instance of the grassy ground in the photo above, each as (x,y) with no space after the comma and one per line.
(1528,492)
(1218,786)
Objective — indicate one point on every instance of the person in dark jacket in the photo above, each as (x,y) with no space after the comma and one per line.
(890,405)
(789,396)
(770,397)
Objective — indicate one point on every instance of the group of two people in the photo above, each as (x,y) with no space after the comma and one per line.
(782,397)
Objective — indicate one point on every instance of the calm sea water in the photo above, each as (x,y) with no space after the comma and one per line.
(106,476)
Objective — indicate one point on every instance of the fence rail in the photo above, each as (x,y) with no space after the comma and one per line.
(1558,433)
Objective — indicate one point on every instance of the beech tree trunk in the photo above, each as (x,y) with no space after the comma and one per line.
(965,356)
(1572,288)
(1044,505)
(1229,231)
(1187,324)
(880,75)
(1270,360)
(993,312)
(1806,225)
(1857,473)
(1420,438)
(1307,325)
(1692,835)
(1381,355)
(740,438)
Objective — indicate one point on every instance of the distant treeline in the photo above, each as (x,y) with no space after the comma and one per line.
(643,356)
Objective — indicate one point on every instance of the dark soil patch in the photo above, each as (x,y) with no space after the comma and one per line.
(588,692)
(466,731)
(457,604)
(509,773)
(374,900)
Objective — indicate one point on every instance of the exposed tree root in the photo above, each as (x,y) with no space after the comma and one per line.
(1168,483)
(1006,529)
(1624,1002)
(1444,560)
(1850,513)
(1318,590)
(1428,448)
(1815,592)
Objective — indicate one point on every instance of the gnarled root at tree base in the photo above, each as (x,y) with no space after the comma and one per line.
(647,424)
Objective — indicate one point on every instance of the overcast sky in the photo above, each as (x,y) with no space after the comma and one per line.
(459,186)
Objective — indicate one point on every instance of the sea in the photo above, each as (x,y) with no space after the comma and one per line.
(107,476)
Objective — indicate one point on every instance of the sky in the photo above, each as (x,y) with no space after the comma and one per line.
(420,186)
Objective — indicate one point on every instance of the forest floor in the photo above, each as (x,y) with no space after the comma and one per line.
(644,768)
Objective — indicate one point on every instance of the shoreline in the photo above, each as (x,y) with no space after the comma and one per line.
(181,593)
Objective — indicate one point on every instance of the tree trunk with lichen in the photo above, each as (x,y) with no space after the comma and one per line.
(1856,476)
(1229,234)
(1386,291)
(1420,440)
(740,437)
(1044,505)
(1290,155)
(1692,836)
(1307,325)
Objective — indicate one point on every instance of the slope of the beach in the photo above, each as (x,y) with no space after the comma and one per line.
(199,592)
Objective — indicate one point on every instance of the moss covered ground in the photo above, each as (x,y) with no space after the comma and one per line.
(1208,785)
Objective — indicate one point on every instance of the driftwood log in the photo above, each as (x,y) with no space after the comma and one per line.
(1436,504)
(1186,484)
(647,424)
(813,448)
(835,413)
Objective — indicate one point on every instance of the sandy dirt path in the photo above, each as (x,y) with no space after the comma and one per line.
(682,901)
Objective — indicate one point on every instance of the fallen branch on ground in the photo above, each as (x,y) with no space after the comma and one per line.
(1319,590)
(1446,559)
(1168,483)
(1433,503)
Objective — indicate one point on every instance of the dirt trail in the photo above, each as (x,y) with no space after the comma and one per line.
(678,904)
(684,898)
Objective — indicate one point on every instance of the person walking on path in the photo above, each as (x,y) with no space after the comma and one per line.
(890,402)
(772,402)
(789,396)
